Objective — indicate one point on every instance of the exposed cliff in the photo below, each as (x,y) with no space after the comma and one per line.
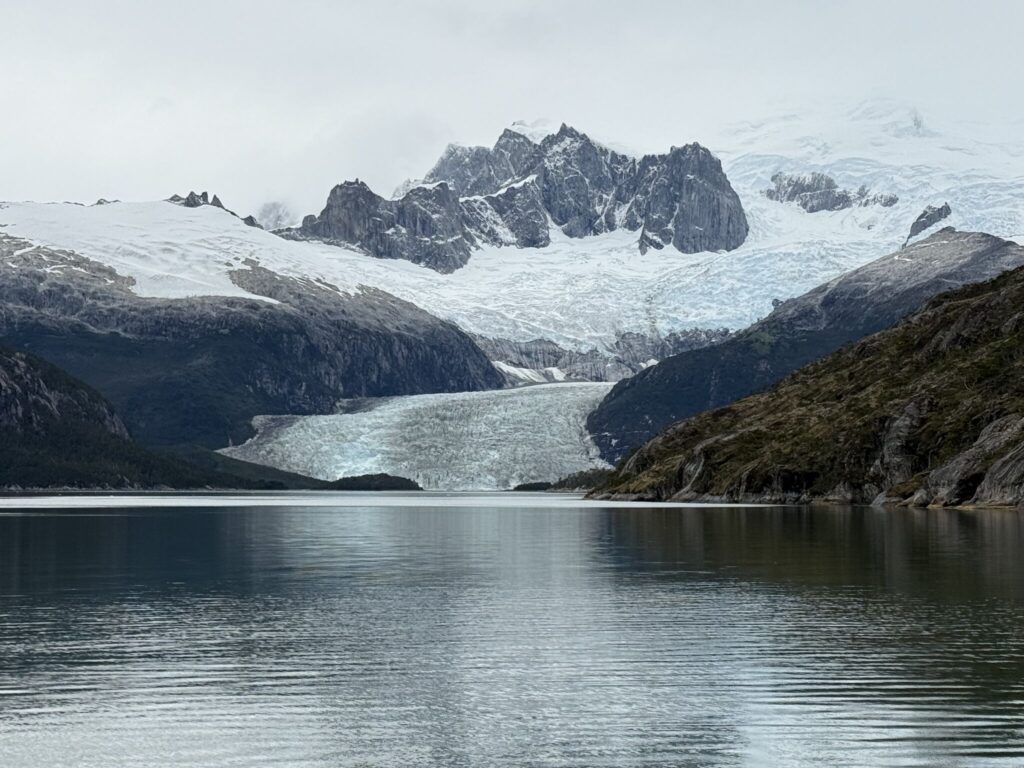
(928,412)
(541,359)
(797,332)
(425,226)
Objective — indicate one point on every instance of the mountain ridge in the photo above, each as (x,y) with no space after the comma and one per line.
(929,412)
(799,331)
(516,191)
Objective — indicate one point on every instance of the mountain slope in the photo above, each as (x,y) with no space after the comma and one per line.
(797,332)
(196,370)
(928,412)
(60,433)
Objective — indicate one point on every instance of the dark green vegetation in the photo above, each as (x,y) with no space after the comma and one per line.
(538,485)
(798,332)
(58,432)
(245,472)
(929,412)
(584,480)
(376,482)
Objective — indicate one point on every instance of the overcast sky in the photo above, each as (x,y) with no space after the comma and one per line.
(281,100)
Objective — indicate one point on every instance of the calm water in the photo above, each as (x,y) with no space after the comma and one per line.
(498,635)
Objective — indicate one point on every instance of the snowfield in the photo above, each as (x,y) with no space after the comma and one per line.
(463,441)
(582,293)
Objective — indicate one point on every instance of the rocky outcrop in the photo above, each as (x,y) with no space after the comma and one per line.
(684,199)
(581,181)
(482,171)
(198,370)
(34,395)
(631,353)
(514,215)
(511,193)
(819,192)
(424,227)
(930,412)
(197,200)
(930,216)
(796,333)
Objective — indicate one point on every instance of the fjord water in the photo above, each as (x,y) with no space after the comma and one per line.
(510,631)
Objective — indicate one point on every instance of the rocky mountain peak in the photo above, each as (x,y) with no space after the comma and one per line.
(507,195)
(930,216)
(196,200)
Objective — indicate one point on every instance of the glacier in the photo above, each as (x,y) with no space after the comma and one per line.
(463,441)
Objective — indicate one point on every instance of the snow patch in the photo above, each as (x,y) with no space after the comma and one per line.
(536,130)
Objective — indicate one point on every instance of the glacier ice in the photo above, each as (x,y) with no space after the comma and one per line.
(461,441)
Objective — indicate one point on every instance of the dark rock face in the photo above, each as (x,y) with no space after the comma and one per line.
(796,333)
(34,395)
(684,199)
(579,179)
(513,216)
(632,352)
(60,433)
(481,171)
(197,370)
(929,217)
(819,192)
(425,226)
(197,200)
(507,194)
(929,412)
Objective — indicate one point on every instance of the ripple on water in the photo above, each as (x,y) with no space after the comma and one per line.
(512,636)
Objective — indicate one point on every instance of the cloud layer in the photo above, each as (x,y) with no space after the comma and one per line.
(260,101)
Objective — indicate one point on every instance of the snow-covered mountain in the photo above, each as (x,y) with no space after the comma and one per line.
(572,292)
(461,441)
(584,293)
(520,191)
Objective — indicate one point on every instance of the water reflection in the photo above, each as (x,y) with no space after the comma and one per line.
(526,636)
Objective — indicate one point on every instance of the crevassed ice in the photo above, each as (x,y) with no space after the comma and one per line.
(459,441)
